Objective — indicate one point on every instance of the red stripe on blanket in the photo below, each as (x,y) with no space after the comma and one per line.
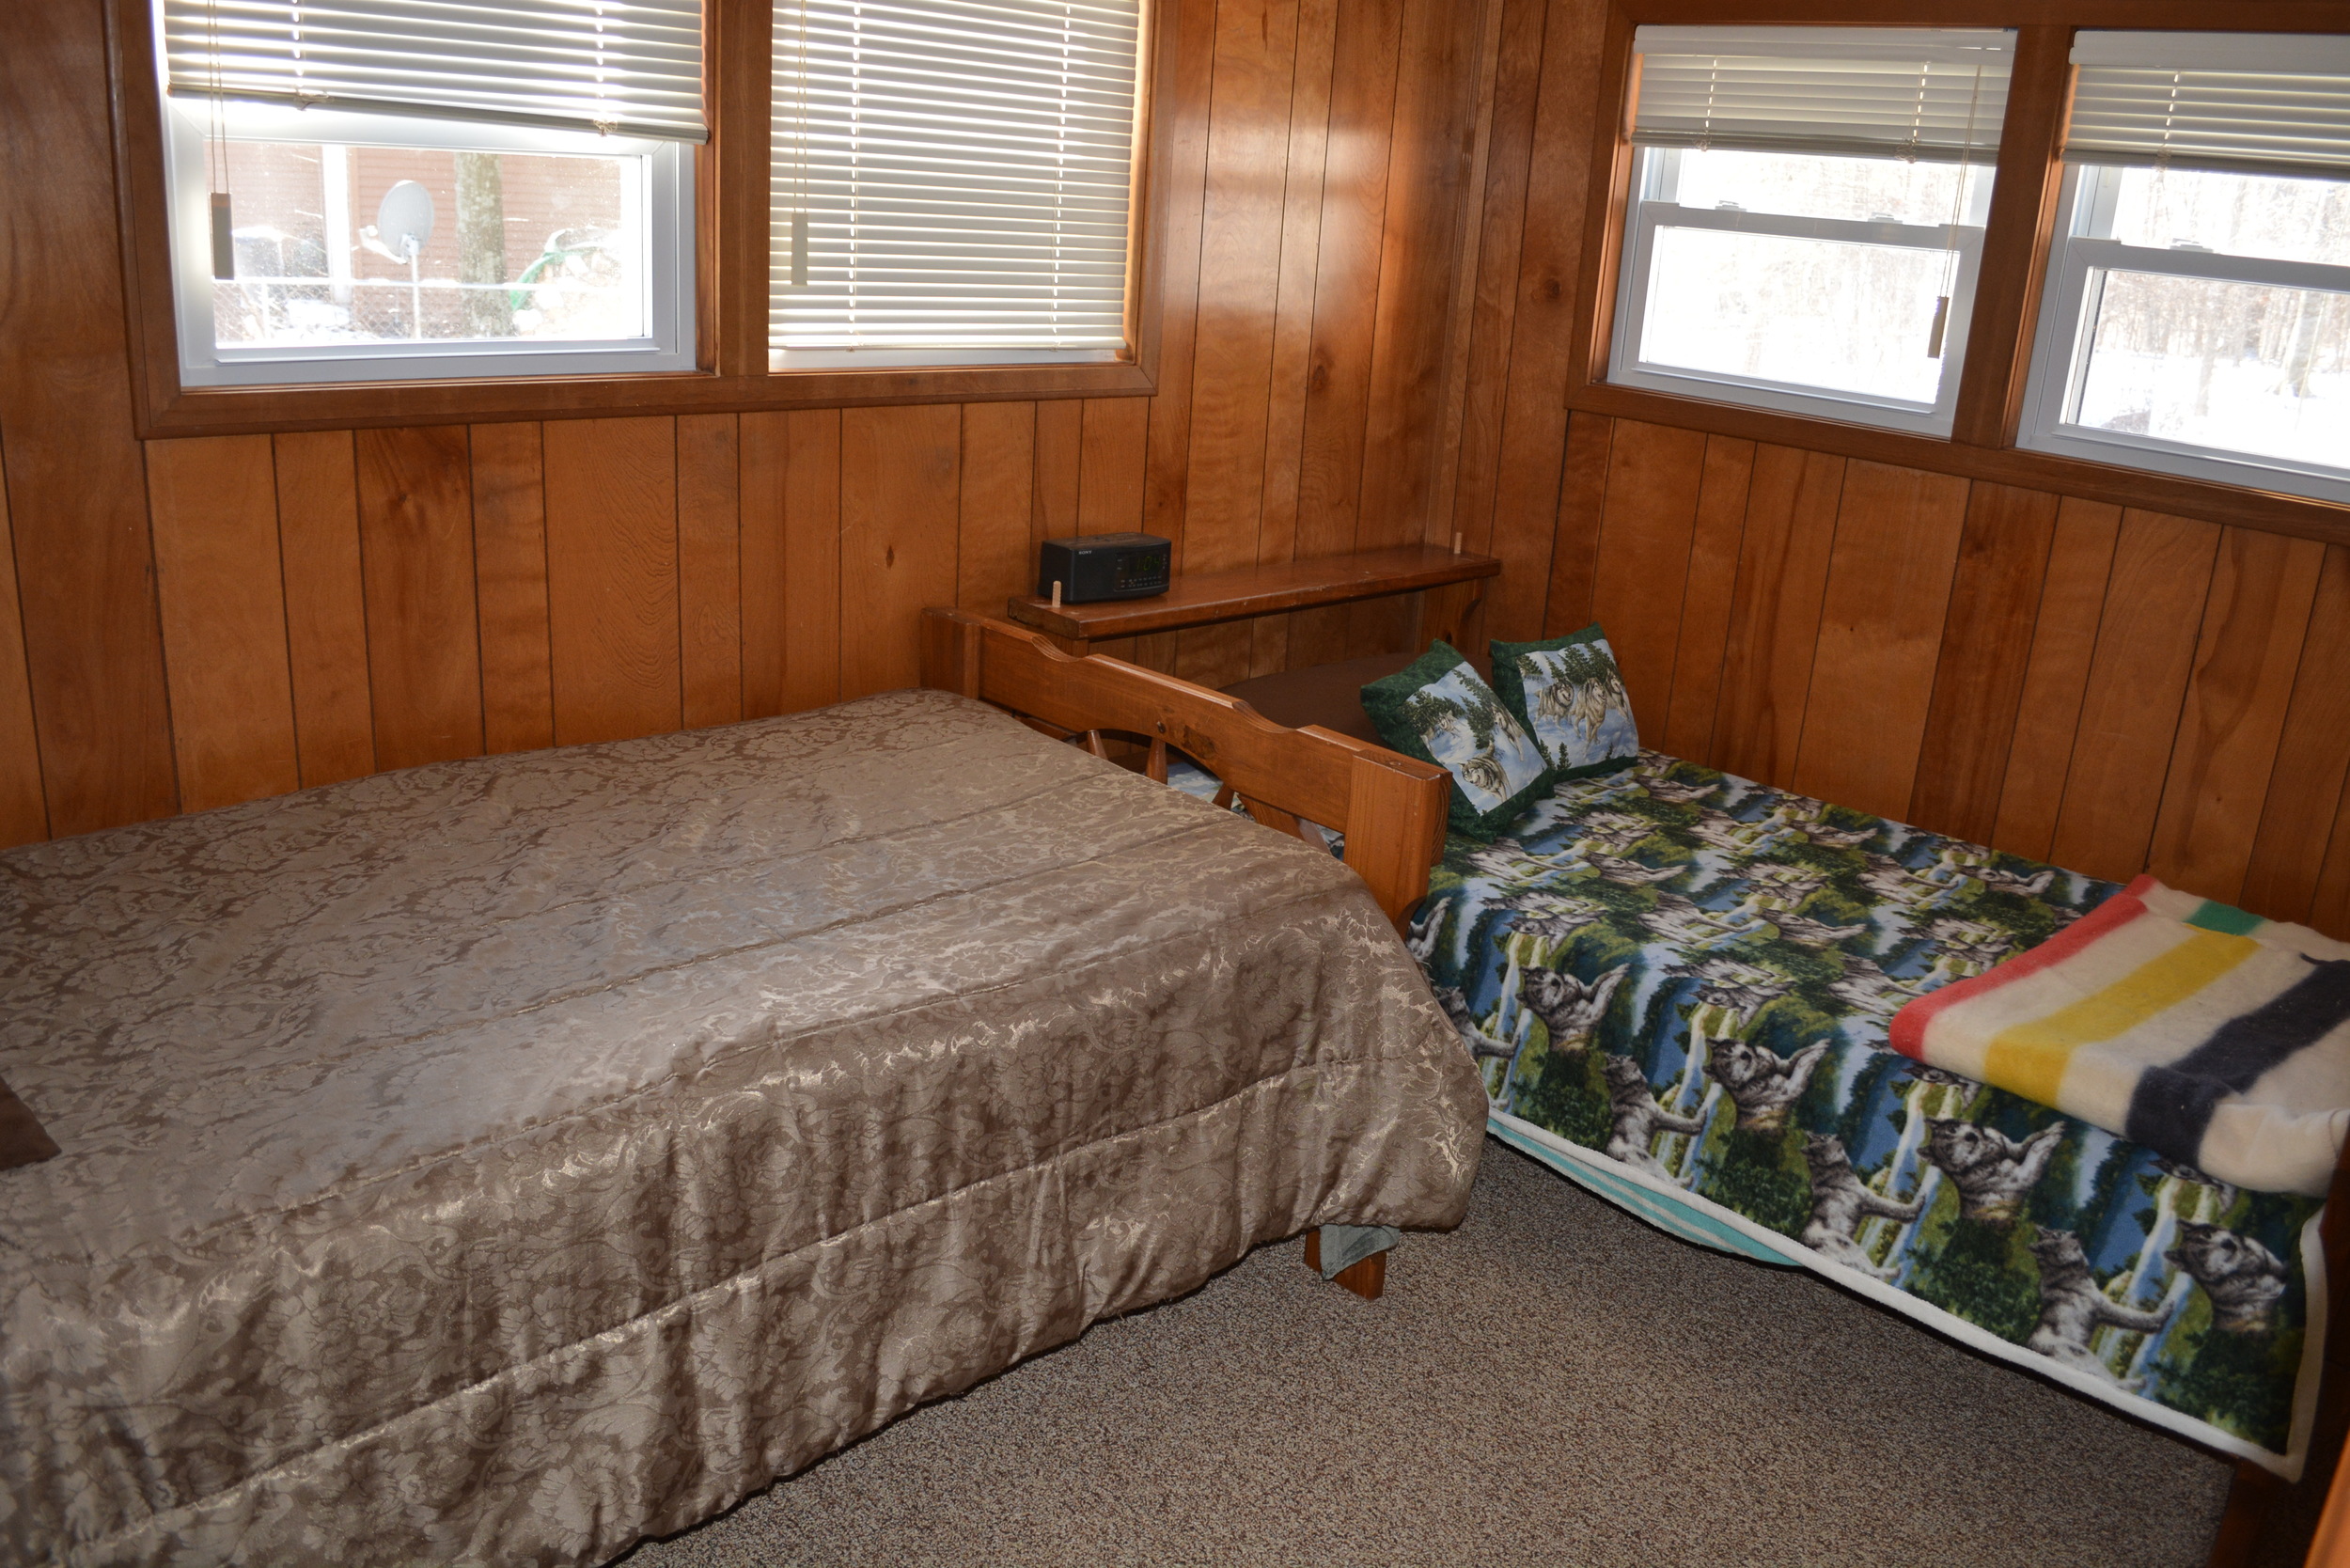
(1909,1024)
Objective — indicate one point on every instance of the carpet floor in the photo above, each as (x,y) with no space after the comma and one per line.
(1553,1383)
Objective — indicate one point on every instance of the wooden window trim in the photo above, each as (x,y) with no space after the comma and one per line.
(730,245)
(2015,257)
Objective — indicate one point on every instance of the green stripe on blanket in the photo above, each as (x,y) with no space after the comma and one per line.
(2216,1038)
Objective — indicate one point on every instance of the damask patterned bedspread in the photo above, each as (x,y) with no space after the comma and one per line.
(497,1161)
(1677,984)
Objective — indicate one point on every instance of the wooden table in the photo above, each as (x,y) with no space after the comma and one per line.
(1211,598)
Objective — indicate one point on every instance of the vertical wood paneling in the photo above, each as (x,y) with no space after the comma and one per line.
(813,586)
(1113,447)
(415,538)
(1059,455)
(1706,598)
(1239,280)
(1346,287)
(2330,907)
(900,469)
(2255,621)
(77,493)
(23,817)
(509,538)
(1572,547)
(2305,791)
(996,553)
(710,568)
(2056,676)
(1980,669)
(1534,433)
(1881,616)
(2137,678)
(1648,524)
(1428,148)
(1183,123)
(214,502)
(327,604)
(612,574)
(1775,612)
(1294,301)
(765,470)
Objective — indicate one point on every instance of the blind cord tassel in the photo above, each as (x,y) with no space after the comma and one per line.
(1941,323)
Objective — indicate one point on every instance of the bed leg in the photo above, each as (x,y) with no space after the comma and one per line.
(1367,1278)
(2248,1501)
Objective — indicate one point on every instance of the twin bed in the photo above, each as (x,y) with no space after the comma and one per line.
(507,1159)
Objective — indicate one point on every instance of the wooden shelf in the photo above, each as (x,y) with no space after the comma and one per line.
(1208,597)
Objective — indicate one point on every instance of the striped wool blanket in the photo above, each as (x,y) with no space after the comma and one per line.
(2215,1037)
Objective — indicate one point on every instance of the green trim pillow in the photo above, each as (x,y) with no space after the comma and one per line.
(1437,709)
(1569,695)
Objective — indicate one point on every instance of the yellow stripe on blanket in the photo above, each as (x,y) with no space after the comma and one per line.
(2031,1058)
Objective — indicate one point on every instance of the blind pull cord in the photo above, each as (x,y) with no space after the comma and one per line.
(1937,334)
(216,154)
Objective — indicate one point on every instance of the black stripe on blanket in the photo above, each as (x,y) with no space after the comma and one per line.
(2171,1109)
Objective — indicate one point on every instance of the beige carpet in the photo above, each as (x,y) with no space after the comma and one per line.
(1554,1383)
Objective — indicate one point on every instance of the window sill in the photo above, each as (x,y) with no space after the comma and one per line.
(2271,510)
(345,406)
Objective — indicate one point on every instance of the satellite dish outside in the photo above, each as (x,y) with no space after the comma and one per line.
(405,221)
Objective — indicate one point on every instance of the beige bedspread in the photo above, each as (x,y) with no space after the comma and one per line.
(500,1160)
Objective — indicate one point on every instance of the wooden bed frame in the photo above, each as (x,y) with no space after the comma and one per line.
(1392,809)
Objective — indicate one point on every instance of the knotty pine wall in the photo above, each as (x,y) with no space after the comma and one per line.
(2114,690)
(193,622)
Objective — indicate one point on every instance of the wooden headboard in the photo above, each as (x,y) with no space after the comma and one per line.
(1391,808)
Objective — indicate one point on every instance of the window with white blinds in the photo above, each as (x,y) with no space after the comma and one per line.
(626,67)
(951,180)
(2240,102)
(1936,94)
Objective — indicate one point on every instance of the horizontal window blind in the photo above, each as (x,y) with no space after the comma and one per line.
(628,67)
(951,175)
(2251,103)
(1936,94)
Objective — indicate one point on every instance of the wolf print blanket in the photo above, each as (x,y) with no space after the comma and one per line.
(2210,1035)
(1677,984)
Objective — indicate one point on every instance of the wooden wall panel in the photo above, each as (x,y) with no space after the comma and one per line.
(327,604)
(813,589)
(1980,666)
(2056,676)
(2305,790)
(2137,681)
(1707,595)
(995,550)
(417,548)
(2256,618)
(1881,618)
(764,476)
(710,568)
(509,529)
(1775,612)
(23,817)
(1647,534)
(1570,547)
(224,616)
(77,490)
(612,576)
(899,473)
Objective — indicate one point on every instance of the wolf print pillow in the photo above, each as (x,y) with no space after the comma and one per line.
(1570,697)
(1438,710)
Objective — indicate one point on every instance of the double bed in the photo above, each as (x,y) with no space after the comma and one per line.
(503,1160)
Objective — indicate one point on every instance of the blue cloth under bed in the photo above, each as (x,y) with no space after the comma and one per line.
(1679,982)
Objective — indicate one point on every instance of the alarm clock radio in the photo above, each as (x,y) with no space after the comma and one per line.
(1103,566)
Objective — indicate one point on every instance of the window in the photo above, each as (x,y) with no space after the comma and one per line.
(384,189)
(1806,217)
(2197,318)
(950,182)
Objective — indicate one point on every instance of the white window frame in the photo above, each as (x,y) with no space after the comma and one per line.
(668,270)
(2082,247)
(1654,206)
